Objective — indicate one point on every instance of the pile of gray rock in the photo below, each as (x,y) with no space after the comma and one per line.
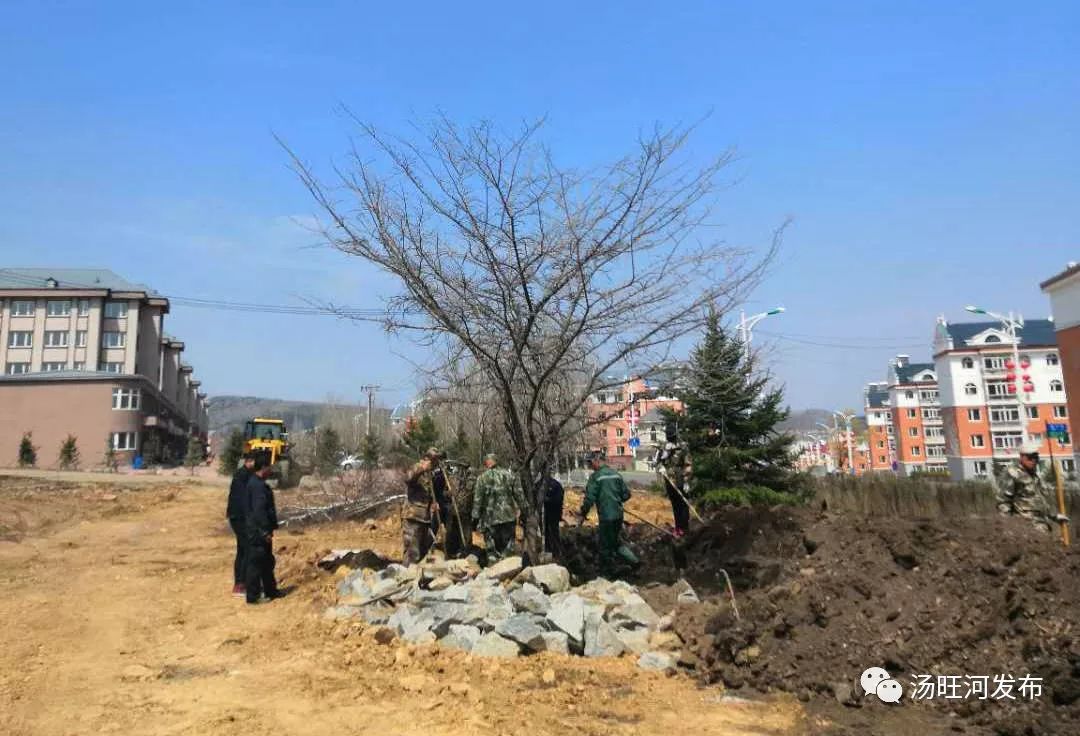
(508,610)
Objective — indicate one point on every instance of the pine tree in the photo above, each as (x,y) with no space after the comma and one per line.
(327,450)
(196,453)
(69,454)
(231,453)
(731,416)
(421,434)
(27,451)
(370,451)
(109,458)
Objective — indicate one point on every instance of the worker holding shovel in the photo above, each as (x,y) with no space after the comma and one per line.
(607,490)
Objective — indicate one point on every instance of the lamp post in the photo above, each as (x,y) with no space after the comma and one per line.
(747,325)
(847,425)
(1012,324)
(829,432)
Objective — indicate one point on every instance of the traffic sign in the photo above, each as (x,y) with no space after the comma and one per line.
(1056,429)
(634,443)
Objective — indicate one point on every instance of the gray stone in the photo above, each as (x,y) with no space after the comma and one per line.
(410,623)
(456,593)
(525,629)
(382,589)
(656,661)
(440,583)
(568,615)
(461,637)
(503,569)
(493,645)
(601,638)
(395,571)
(555,642)
(345,587)
(550,578)
(634,640)
(530,599)
(377,613)
(634,613)
(686,593)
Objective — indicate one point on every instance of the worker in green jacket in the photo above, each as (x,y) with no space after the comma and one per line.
(607,490)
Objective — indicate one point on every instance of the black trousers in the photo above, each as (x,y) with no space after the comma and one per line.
(552,516)
(260,570)
(679,508)
(240,563)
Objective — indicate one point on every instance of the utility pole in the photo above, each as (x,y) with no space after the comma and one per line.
(847,426)
(370,389)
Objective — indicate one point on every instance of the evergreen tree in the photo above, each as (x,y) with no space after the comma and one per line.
(370,451)
(27,451)
(421,434)
(109,459)
(231,453)
(196,453)
(731,416)
(69,454)
(327,450)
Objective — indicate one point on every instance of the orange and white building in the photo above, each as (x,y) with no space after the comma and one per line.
(630,409)
(880,435)
(987,400)
(1064,292)
(917,426)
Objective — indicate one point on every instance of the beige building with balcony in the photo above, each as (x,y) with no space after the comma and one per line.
(84,352)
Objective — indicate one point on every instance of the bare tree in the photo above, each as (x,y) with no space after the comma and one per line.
(547,278)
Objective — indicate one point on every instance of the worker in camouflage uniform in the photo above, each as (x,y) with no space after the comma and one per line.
(1021,492)
(495,508)
(672,463)
(607,490)
(423,487)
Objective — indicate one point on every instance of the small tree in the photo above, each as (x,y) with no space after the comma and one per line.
(327,450)
(196,453)
(421,434)
(370,451)
(231,453)
(27,451)
(69,454)
(109,459)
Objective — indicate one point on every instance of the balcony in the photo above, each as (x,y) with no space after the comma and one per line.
(1005,422)
(930,440)
(933,421)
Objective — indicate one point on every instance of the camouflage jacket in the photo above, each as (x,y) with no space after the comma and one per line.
(495,498)
(608,491)
(673,463)
(1024,494)
(421,488)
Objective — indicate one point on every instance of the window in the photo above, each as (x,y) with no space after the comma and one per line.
(931,414)
(56,339)
(994,364)
(14,369)
(881,444)
(881,459)
(1036,437)
(938,451)
(1033,412)
(20,339)
(977,440)
(981,468)
(912,413)
(80,339)
(620,450)
(603,433)
(1006,441)
(971,390)
(112,339)
(124,440)
(929,395)
(126,398)
(1056,386)
(934,431)
(1061,412)
(22,309)
(112,367)
(992,338)
(84,307)
(53,367)
(80,365)
(909,394)
(916,451)
(1052,359)
(652,435)
(618,433)
(999,390)
(1005,416)
(974,415)
(914,431)
(58,308)
(618,398)
(890,431)
(115,310)
(1069,466)
(967,363)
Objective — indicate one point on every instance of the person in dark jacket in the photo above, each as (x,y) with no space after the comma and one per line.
(553,511)
(261,521)
(607,490)
(234,512)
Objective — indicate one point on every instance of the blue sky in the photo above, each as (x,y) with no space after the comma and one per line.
(927,154)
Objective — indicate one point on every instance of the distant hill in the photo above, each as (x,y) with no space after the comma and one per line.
(230,412)
(806,421)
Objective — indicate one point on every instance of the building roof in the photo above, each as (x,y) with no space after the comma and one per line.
(877,396)
(907,373)
(1034,332)
(1072,269)
(67,278)
(68,376)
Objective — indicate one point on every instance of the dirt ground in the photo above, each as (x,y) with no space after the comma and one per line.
(118,619)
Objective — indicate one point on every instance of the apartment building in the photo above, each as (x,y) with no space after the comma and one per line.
(630,409)
(84,352)
(915,405)
(988,399)
(880,434)
(1064,292)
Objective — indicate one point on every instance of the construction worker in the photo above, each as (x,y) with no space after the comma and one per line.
(674,468)
(495,508)
(260,522)
(607,490)
(234,512)
(1021,492)
(458,515)
(553,511)
(418,524)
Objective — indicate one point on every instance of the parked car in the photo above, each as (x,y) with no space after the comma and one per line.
(350,462)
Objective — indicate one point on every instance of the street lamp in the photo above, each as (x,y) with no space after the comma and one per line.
(829,432)
(847,425)
(746,326)
(1012,323)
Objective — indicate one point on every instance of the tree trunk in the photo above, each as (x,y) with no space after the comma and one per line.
(532,517)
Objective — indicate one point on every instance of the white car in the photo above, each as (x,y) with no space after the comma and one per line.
(350,462)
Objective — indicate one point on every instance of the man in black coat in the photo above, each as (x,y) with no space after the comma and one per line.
(234,512)
(261,521)
(553,511)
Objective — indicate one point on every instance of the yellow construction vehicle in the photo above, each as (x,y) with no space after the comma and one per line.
(270,438)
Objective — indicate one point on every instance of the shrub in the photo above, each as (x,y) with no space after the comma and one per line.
(231,452)
(27,451)
(69,454)
(749,496)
